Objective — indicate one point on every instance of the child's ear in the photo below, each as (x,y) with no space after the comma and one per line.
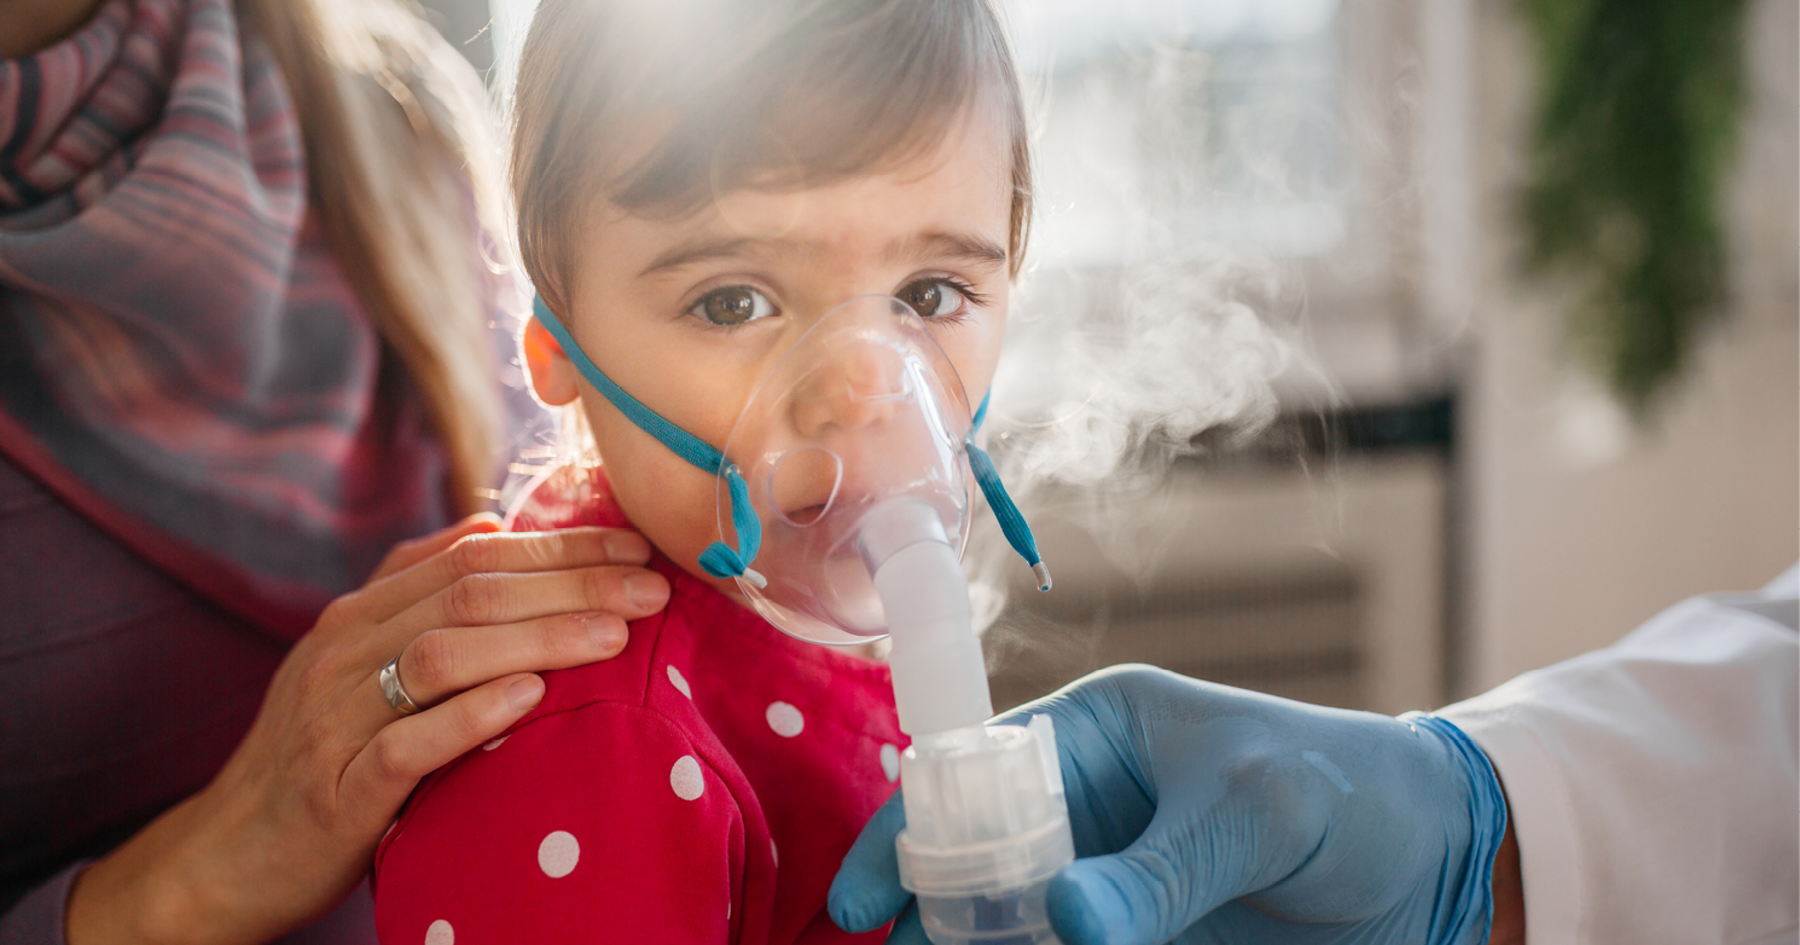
(552,374)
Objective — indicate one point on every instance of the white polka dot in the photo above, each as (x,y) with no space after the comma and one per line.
(890,762)
(440,933)
(685,778)
(558,854)
(785,719)
(496,743)
(678,682)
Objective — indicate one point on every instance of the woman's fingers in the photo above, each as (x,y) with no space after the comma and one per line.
(440,662)
(378,779)
(408,553)
(500,553)
(489,598)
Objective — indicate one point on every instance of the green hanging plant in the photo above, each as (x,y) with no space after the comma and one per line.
(1636,126)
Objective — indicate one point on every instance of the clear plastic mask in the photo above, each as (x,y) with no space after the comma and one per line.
(864,411)
(854,446)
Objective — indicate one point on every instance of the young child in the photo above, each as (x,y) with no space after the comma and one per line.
(698,182)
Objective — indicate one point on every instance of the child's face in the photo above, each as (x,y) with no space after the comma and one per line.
(689,314)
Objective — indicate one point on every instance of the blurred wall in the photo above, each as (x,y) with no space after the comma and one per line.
(466,24)
(1580,526)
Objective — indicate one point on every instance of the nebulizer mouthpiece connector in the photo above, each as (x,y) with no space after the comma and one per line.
(940,679)
(844,498)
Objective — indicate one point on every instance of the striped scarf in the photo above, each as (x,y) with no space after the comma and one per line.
(181,359)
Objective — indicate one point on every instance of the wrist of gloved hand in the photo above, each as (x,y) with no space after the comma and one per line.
(1214,814)
(1466,907)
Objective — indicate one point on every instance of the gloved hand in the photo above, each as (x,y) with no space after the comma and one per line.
(1212,814)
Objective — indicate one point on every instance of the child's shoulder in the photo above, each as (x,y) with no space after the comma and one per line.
(645,797)
(605,809)
(575,495)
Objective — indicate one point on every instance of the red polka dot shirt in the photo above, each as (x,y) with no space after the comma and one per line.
(702,786)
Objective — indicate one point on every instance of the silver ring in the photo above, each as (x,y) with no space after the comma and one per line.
(390,687)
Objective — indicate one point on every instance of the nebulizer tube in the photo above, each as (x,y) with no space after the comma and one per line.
(844,496)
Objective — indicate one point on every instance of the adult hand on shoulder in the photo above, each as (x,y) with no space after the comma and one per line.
(290,823)
(1212,814)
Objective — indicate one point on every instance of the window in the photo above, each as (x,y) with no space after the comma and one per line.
(1170,123)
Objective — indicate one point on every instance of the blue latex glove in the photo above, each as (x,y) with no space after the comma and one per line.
(1212,814)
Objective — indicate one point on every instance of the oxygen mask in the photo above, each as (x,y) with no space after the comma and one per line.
(856,438)
(859,441)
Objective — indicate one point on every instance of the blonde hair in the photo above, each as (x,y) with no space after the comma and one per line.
(402,170)
(771,93)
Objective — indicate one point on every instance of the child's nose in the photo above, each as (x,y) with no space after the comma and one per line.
(861,386)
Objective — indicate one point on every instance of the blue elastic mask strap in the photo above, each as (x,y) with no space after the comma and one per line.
(719,559)
(1012,523)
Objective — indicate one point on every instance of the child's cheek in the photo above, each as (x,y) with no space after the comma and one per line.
(669,500)
(974,349)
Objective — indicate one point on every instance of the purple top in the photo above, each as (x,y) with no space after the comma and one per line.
(124,693)
(201,442)
(176,334)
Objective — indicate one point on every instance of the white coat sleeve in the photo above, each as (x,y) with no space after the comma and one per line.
(1652,784)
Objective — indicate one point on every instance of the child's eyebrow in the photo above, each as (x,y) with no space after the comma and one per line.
(934,245)
(682,254)
(940,245)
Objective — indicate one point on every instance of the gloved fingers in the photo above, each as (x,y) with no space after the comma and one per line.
(867,891)
(1109,900)
(1101,752)
(908,930)
(1102,698)
(1173,875)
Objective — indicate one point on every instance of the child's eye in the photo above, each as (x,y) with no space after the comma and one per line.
(934,298)
(733,305)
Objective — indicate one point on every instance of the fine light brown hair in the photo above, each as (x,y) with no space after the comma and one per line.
(403,173)
(660,107)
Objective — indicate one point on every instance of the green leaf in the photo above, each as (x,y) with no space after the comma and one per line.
(1636,124)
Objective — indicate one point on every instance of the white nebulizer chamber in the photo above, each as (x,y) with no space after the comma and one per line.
(987,827)
(853,456)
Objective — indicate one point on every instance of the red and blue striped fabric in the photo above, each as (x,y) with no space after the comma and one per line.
(181,357)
